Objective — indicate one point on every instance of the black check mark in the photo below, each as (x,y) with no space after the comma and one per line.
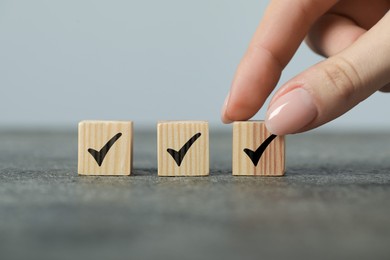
(179,155)
(255,155)
(99,156)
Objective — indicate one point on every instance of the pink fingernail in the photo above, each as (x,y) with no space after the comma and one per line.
(290,112)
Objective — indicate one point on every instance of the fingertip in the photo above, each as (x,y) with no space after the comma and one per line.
(224,114)
(237,112)
(291,112)
(226,120)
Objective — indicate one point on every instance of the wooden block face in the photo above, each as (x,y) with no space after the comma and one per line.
(183,148)
(252,155)
(105,148)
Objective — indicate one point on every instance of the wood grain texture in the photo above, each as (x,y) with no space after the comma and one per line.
(95,135)
(174,135)
(250,135)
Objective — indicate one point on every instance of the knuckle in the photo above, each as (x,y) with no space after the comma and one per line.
(275,59)
(342,77)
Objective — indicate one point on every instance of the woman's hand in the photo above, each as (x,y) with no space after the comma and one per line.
(353,34)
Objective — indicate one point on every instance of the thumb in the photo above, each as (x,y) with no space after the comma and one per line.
(334,86)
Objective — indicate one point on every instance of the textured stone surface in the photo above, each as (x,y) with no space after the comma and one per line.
(334,202)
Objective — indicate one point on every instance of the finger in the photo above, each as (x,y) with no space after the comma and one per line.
(333,33)
(343,24)
(386,88)
(278,36)
(364,13)
(331,88)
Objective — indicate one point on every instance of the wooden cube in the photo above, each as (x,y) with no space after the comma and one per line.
(105,148)
(256,151)
(183,148)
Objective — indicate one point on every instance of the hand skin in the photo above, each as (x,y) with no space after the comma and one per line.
(354,35)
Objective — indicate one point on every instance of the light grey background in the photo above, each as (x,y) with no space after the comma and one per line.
(65,61)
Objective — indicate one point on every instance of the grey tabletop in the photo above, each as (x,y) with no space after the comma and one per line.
(333,203)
